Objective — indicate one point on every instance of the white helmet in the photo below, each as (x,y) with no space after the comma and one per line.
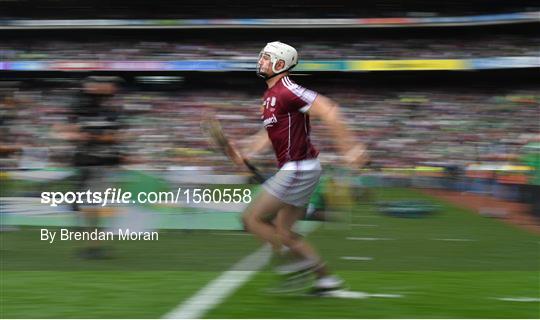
(280,51)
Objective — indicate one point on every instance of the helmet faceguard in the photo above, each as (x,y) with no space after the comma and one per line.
(278,51)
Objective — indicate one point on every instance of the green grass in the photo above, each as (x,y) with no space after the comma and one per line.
(496,246)
(174,251)
(54,294)
(425,295)
(437,279)
(143,280)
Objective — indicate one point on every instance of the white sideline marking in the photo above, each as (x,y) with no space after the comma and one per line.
(357,258)
(522,299)
(455,240)
(368,239)
(385,295)
(346,294)
(363,225)
(217,290)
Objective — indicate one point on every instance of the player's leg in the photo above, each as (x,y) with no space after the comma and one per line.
(311,260)
(258,218)
(284,222)
(90,214)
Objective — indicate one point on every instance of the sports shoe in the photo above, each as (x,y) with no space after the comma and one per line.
(297,267)
(328,283)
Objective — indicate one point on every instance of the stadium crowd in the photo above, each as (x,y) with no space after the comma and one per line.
(471,47)
(161,129)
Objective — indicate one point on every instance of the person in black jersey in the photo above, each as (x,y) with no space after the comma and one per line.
(96,125)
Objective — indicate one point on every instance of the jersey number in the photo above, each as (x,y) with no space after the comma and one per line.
(270,102)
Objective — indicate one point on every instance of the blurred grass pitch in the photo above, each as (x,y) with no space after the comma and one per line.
(494,276)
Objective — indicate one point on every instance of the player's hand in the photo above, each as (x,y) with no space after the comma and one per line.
(356,157)
(235,155)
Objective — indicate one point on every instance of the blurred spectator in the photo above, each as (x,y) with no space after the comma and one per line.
(431,48)
(402,129)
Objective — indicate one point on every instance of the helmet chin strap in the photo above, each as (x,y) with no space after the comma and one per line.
(261,75)
(265,77)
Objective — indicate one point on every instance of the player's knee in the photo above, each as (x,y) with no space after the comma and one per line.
(287,237)
(249,220)
(246,223)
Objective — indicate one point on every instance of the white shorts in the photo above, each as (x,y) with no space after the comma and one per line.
(295,182)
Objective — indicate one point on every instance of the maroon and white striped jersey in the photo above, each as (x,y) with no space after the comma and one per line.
(284,115)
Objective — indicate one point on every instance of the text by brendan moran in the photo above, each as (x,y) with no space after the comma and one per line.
(121,234)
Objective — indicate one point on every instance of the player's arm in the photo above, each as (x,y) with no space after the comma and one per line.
(255,144)
(252,146)
(328,111)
